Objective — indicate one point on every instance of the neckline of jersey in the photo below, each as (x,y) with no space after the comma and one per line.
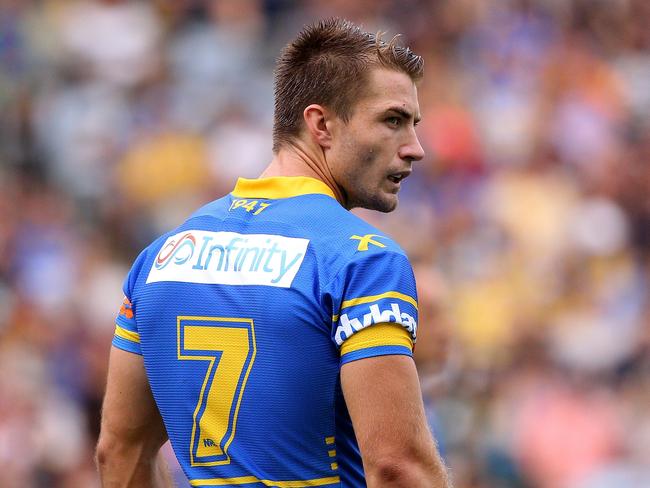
(280,187)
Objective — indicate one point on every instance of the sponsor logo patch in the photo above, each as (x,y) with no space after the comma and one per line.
(126,310)
(229,258)
(348,326)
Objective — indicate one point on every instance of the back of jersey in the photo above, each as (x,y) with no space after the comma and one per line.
(237,347)
(239,314)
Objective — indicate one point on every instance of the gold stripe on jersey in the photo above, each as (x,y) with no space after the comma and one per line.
(127,334)
(386,334)
(244,480)
(374,298)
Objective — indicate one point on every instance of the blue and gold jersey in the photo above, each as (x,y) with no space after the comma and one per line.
(244,315)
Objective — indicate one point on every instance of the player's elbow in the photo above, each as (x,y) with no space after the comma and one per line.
(112,448)
(105,452)
(121,444)
(395,473)
(406,471)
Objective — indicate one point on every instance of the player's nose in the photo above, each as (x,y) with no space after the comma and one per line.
(412,150)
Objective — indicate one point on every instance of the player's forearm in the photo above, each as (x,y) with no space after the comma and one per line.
(130,466)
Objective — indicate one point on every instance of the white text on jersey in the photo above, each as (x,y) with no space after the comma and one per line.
(348,326)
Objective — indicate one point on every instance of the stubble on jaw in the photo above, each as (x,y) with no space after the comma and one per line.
(362,192)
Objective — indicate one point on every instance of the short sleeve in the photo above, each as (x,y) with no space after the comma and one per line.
(374,288)
(126,330)
(126,335)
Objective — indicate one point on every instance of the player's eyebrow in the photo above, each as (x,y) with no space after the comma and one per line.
(405,114)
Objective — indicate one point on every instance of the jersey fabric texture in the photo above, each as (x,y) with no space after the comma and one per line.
(244,316)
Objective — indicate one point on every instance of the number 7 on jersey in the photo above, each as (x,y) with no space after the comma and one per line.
(228,346)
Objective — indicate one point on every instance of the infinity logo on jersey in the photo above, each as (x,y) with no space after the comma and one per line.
(229,258)
(171,249)
(349,326)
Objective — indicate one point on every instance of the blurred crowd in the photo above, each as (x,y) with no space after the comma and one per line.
(528,222)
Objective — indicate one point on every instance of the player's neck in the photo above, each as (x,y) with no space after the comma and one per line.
(297,160)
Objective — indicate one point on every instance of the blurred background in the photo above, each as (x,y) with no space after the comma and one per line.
(528,222)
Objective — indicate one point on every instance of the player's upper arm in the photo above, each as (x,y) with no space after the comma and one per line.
(383,397)
(129,413)
(132,430)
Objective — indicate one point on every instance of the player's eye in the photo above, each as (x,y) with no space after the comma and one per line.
(394,121)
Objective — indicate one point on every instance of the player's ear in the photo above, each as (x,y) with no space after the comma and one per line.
(316,118)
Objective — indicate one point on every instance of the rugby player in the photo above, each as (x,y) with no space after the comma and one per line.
(270,336)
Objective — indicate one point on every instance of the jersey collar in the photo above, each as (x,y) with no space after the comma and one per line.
(280,187)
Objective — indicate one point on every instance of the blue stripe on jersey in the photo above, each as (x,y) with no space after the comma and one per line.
(126,345)
(370,352)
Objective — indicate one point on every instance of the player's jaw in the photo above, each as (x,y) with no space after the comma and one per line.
(379,192)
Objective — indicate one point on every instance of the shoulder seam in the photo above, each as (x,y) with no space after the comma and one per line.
(342,267)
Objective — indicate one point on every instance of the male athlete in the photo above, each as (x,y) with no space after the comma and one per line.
(270,336)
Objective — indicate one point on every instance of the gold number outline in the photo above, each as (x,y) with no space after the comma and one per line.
(211,355)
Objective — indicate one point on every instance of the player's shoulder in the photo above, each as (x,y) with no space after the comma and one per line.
(344,243)
(352,236)
(196,220)
(176,240)
(216,208)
